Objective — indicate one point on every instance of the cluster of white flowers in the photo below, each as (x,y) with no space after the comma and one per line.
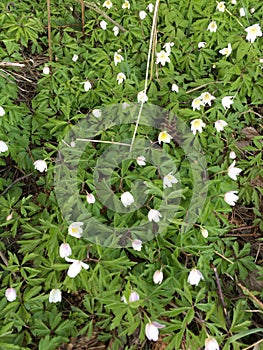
(163,56)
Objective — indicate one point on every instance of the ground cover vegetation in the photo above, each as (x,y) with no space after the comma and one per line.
(159,244)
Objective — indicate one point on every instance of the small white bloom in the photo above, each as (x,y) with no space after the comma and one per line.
(197,125)
(252,10)
(220,124)
(9,217)
(211,344)
(75,229)
(55,296)
(126,5)
(142,97)
(194,277)
(158,277)
(206,97)
(116,30)
(150,7)
(107,4)
(46,70)
(152,330)
(204,232)
(121,77)
(202,44)
(253,32)
(90,198)
(242,12)
(227,101)
(117,58)
(40,165)
(167,47)
(175,88)
(142,15)
(232,155)
(134,296)
(96,113)
(169,180)
(137,244)
(164,137)
(221,6)
(3,147)
(226,51)
(162,57)
(212,27)
(65,250)
(233,2)
(10,294)
(232,171)
(231,198)
(154,215)
(141,160)
(75,267)
(197,103)
(127,199)
(87,85)
(75,58)
(2,111)
(103,25)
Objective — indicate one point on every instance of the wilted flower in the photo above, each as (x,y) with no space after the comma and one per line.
(90,198)
(169,180)
(154,215)
(197,103)
(219,125)
(175,88)
(212,27)
(232,171)
(197,125)
(201,44)
(55,296)
(40,165)
(232,155)
(117,58)
(150,7)
(96,113)
(75,229)
(137,244)
(65,250)
(194,277)
(126,5)
(116,30)
(221,6)
(75,267)
(3,147)
(211,344)
(10,294)
(46,70)
(231,198)
(227,101)
(142,97)
(204,232)
(226,51)
(242,12)
(141,160)
(142,15)
(127,199)
(253,32)
(158,277)
(164,137)
(152,330)
(121,77)
(167,47)
(134,296)
(206,97)
(2,111)
(103,25)
(87,85)
(162,57)
(75,58)
(107,4)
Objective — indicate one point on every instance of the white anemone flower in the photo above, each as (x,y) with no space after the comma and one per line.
(201,44)
(97,113)
(117,58)
(10,294)
(197,125)
(227,101)
(3,147)
(232,155)
(231,197)
(127,199)
(164,137)
(242,12)
(154,215)
(162,57)
(220,124)
(169,180)
(75,58)
(65,250)
(197,103)
(194,277)
(221,6)
(226,51)
(126,5)
(150,7)
(107,4)
(168,46)
(211,344)
(175,88)
(253,32)
(207,98)
(46,70)
(2,111)
(134,296)
(142,15)
(137,245)
(40,165)
(87,85)
(142,97)
(75,229)
(121,77)
(116,30)
(158,277)
(141,160)
(232,171)
(90,198)
(212,27)
(75,267)
(204,232)
(103,25)
(55,296)
(152,330)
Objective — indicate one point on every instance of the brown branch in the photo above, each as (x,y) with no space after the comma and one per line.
(13,183)
(251,295)
(82,16)
(11,64)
